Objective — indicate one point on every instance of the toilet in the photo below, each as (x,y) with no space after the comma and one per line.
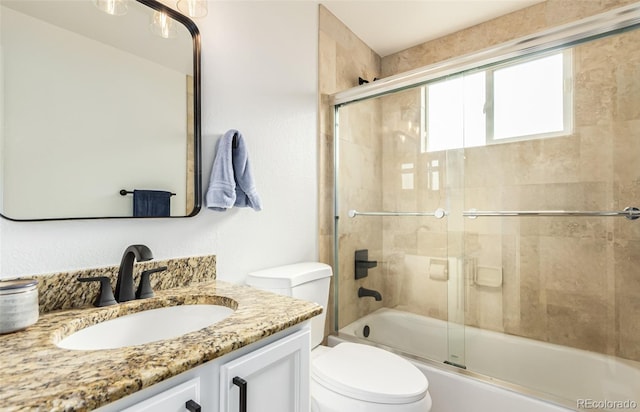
(350,376)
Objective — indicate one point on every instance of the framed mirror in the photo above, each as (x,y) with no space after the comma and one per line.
(97,107)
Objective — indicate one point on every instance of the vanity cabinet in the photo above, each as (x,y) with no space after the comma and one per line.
(275,372)
(174,399)
(273,378)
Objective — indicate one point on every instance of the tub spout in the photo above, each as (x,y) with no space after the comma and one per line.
(362,292)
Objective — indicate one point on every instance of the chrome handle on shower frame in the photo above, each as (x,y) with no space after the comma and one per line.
(631,213)
(439,213)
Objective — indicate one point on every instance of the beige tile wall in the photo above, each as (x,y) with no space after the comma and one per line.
(343,57)
(190,187)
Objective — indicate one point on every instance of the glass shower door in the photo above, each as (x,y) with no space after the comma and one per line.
(394,199)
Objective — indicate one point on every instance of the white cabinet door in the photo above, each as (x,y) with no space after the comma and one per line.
(172,400)
(274,378)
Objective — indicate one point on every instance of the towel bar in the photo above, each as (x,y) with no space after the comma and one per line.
(439,213)
(125,192)
(631,213)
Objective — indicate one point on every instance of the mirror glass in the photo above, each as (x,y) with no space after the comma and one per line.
(96,106)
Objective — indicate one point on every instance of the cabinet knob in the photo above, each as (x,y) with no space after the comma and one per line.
(242,384)
(192,406)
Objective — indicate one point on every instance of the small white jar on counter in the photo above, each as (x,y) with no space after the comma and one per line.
(18,304)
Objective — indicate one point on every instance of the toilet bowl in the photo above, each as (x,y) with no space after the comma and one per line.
(362,378)
(349,377)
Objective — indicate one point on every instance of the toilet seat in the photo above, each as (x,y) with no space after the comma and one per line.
(369,374)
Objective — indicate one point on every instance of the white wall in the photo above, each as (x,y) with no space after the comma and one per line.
(259,75)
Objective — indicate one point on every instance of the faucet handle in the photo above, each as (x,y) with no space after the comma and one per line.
(105,298)
(144,288)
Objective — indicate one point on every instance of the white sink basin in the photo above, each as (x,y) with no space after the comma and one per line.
(145,327)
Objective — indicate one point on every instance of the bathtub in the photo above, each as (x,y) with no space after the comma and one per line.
(575,378)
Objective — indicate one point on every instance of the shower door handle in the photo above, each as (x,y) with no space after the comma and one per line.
(242,384)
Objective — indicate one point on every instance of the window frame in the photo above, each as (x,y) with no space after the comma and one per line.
(567,68)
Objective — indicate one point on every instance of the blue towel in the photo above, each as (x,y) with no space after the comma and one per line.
(151,203)
(231,183)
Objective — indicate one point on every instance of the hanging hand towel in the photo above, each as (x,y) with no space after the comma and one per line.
(151,203)
(231,183)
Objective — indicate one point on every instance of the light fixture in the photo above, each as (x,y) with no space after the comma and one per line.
(113,7)
(193,8)
(162,25)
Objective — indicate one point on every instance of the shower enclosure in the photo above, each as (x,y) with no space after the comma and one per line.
(499,193)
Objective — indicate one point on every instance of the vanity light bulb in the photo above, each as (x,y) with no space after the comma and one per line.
(112,7)
(162,25)
(193,8)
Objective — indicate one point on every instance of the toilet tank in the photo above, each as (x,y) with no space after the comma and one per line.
(308,280)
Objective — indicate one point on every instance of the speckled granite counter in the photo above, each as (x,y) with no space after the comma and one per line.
(37,375)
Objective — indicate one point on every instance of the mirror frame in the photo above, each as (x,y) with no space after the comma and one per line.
(197,145)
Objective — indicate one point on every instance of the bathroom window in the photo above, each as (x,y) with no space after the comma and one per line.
(521,100)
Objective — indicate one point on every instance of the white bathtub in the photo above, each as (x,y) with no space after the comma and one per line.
(574,377)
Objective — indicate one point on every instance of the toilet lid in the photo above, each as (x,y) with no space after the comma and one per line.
(369,374)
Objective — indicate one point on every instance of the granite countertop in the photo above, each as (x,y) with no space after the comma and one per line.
(37,375)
